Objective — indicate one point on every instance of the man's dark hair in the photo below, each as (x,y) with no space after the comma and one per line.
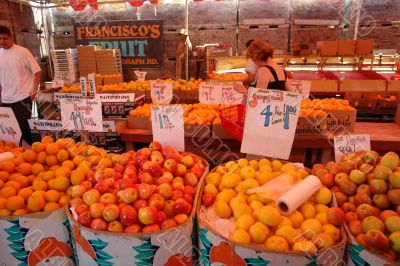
(5,30)
(249,42)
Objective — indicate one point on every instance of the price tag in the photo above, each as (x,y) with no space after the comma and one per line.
(9,127)
(92,85)
(161,92)
(210,93)
(167,125)
(302,87)
(140,75)
(83,84)
(57,83)
(270,124)
(230,95)
(351,144)
(81,114)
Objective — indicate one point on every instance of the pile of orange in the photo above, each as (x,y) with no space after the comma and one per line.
(227,76)
(10,147)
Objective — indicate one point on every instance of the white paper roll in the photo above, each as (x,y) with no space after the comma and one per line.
(6,156)
(296,196)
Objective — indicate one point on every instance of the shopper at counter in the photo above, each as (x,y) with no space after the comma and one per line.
(19,80)
(250,69)
(269,75)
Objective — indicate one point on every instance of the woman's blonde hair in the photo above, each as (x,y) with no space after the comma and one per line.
(259,51)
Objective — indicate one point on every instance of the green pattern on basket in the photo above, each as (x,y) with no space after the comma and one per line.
(205,252)
(145,252)
(313,260)
(256,261)
(355,251)
(102,258)
(71,242)
(16,240)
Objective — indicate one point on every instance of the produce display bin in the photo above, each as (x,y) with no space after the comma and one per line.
(361,81)
(321,81)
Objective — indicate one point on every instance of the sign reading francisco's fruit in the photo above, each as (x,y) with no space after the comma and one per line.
(81,114)
(210,93)
(301,86)
(167,125)
(140,41)
(9,128)
(141,75)
(270,124)
(350,144)
(161,92)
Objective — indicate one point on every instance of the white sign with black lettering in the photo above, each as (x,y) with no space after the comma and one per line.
(351,144)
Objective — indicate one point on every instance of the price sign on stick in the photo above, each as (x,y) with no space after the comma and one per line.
(350,144)
(230,95)
(270,124)
(81,114)
(302,87)
(161,92)
(92,85)
(141,75)
(83,84)
(167,125)
(9,128)
(210,93)
(57,83)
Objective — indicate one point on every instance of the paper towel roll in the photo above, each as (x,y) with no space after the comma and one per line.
(296,196)
(5,156)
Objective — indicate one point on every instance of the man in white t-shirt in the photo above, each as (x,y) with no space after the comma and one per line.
(19,80)
(251,70)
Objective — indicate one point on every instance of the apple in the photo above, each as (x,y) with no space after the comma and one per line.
(369,157)
(162,180)
(161,217)
(392,224)
(144,151)
(381,201)
(357,177)
(394,180)
(390,160)
(207,200)
(348,165)
(99,224)
(180,170)
(169,208)
(115,227)
(187,161)
(372,223)
(140,160)
(182,206)
(128,215)
(362,198)
(119,168)
(170,165)
(90,178)
(348,187)
(140,203)
(364,188)
(188,198)
(145,177)
(167,175)
(335,216)
(108,198)
(167,224)
(190,179)
(123,183)
(157,157)
(327,180)
(131,175)
(173,155)
(155,146)
(317,167)
(146,166)
(341,198)
(376,241)
(96,210)
(77,191)
(110,212)
(189,190)
(147,215)
(157,200)
(366,168)
(382,172)
(81,209)
(395,241)
(355,227)
(145,191)
(133,229)
(198,170)
(117,175)
(386,214)
(363,211)
(333,168)
(340,177)
(87,185)
(176,194)
(348,207)
(350,216)
(181,218)
(378,186)
(165,190)
(91,196)
(394,196)
(390,255)
(155,170)
(76,202)
(361,240)
(151,229)
(85,219)
(335,189)
(128,195)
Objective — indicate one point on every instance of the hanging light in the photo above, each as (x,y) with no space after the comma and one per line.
(136,3)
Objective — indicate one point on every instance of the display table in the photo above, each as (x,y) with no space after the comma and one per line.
(384,137)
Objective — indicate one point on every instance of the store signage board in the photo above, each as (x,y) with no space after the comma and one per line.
(81,114)
(270,123)
(92,85)
(83,85)
(140,41)
(141,75)
(116,105)
(161,92)
(9,127)
(210,93)
(58,96)
(108,139)
(350,144)
(302,87)
(40,128)
(167,125)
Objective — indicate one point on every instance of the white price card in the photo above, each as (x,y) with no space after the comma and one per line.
(92,85)
(230,95)
(167,125)
(83,85)
(57,83)
(270,123)
(350,144)
(81,114)
(302,87)
(161,92)
(9,127)
(141,75)
(210,93)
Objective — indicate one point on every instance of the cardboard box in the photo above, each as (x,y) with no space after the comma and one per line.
(112,80)
(347,47)
(364,102)
(386,107)
(197,131)
(393,85)
(311,127)
(139,123)
(327,48)
(362,85)
(324,85)
(365,47)
(219,132)
(340,120)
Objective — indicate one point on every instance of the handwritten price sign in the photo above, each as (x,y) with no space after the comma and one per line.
(270,124)
(92,85)
(351,144)
(141,75)
(83,85)
(230,95)
(161,92)
(167,125)
(302,87)
(210,93)
(81,114)
(9,128)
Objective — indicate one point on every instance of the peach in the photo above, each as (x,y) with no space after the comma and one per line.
(372,223)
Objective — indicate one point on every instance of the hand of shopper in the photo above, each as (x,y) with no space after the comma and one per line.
(33,94)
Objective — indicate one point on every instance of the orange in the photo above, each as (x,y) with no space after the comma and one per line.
(60,183)
(62,155)
(3,203)
(68,163)
(52,148)
(31,178)
(52,195)
(39,193)
(20,212)
(37,168)
(13,184)
(26,192)
(4,175)
(7,192)
(8,166)
(15,202)
(5,213)
(51,206)
(76,160)
(63,171)
(48,175)
(35,203)
(54,167)
(64,200)
(39,185)
(29,156)
(22,180)
(1,183)
(37,146)
(19,160)
(77,177)
(41,157)
(51,160)
(25,169)
(47,139)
